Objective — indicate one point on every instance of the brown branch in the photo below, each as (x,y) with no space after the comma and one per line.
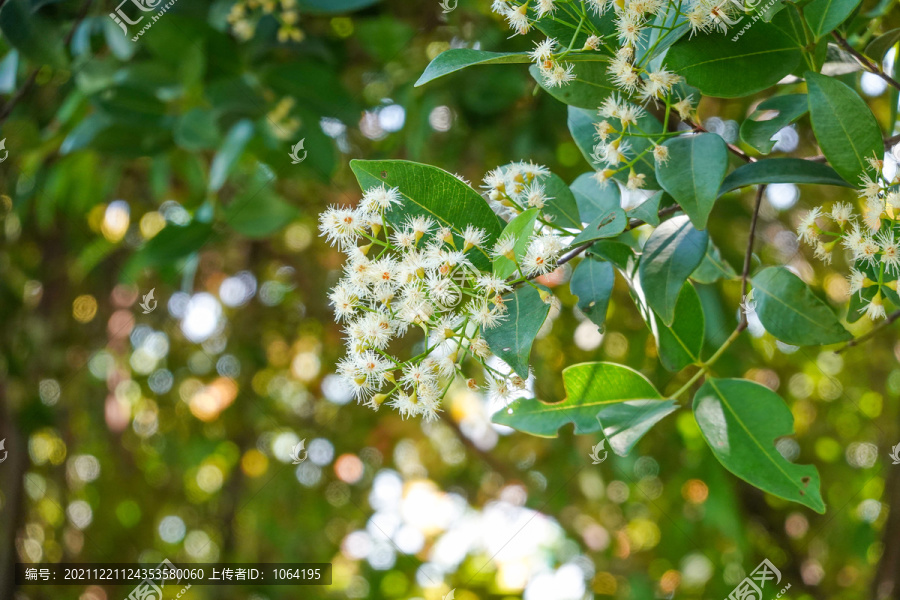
(875,331)
(734,149)
(864,62)
(748,255)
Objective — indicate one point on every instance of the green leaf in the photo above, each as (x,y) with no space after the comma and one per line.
(332,7)
(592,85)
(615,252)
(561,204)
(648,210)
(758,134)
(680,344)
(593,199)
(432,192)
(590,387)
(512,339)
(781,170)
(520,229)
(693,173)
(670,255)
(844,126)
(9,66)
(168,246)
(713,267)
(625,423)
(229,153)
(605,226)
(726,67)
(32,35)
(456,59)
(259,212)
(592,282)
(824,16)
(790,311)
(740,420)
(878,47)
(197,129)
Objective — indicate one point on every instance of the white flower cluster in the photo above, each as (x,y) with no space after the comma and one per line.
(637,81)
(870,237)
(416,274)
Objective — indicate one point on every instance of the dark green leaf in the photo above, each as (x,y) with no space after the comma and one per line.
(32,35)
(169,245)
(726,67)
(758,134)
(605,226)
(590,387)
(824,16)
(670,255)
(197,129)
(520,229)
(229,153)
(781,170)
(693,173)
(512,339)
(740,421)
(878,47)
(562,204)
(648,210)
(680,344)
(259,212)
(593,199)
(844,126)
(455,59)
(790,311)
(592,282)
(432,192)
(713,267)
(332,7)
(625,423)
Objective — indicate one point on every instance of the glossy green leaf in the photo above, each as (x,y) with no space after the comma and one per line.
(670,255)
(880,46)
(456,59)
(719,65)
(781,170)
(229,153)
(561,203)
(619,254)
(693,173)
(592,85)
(590,387)
(432,192)
(758,134)
(605,226)
(625,423)
(520,229)
(648,210)
(789,310)
(844,126)
(171,244)
(592,282)
(197,129)
(713,267)
(593,199)
(34,36)
(512,339)
(258,211)
(824,16)
(680,345)
(740,420)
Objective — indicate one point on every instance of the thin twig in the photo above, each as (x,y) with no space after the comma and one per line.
(864,62)
(875,331)
(748,255)
(734,149)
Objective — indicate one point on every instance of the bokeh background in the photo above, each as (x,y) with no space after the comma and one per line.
(164,164)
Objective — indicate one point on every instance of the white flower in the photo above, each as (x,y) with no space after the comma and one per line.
(535,196)
(661,153)
(890,251)
(499,389)
(559,75)
(518,19)
(841,212)
(484,315)
(341,226)
(474,237)
(407,405)
(420,226)
(543,51)
(857,280)
(492,285)
(344,300)
(442,291)
(808,231)
(417,374)
(545,7)
(868,251)
(658,84)
(505,246)
(540,257)
(875,308)
(629,27)
(380,198)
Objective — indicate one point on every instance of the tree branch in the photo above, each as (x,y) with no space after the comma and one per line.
(864,62)
(875,331)
(748,255)
(734,149)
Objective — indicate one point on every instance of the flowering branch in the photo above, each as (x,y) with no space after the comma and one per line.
(875,331)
